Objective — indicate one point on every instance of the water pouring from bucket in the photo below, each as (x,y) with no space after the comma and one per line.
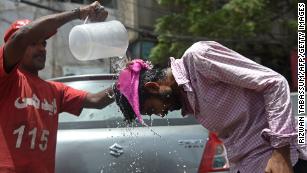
(98,40)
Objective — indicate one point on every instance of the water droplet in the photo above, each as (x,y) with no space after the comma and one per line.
(167,120)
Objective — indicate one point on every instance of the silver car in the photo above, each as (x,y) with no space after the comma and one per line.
(99,141)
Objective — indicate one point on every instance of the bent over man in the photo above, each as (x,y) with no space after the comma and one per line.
(246,104)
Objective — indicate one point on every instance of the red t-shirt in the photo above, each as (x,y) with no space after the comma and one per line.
(29,108)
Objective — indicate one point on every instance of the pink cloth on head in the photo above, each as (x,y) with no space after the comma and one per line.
(128,84)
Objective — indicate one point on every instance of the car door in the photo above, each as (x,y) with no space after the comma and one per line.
(99,141)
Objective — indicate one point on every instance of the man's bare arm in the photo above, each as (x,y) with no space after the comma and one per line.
(280,161)
(100,99)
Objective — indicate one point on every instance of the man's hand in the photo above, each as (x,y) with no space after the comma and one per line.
(94,11)
(280,161)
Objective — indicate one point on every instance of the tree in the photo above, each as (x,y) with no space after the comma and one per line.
(262,29)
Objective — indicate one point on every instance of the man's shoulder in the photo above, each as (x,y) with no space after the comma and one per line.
(59,86)
(199,48)
(56,85)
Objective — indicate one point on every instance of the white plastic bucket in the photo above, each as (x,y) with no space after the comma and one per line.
(98,40)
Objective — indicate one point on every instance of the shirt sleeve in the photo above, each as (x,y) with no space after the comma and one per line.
(72,99)
(216,62)
(3,73)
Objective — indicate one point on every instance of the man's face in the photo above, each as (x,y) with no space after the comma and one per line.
(159,106)
(35,57)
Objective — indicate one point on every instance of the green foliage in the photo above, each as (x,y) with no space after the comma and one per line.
(255,28)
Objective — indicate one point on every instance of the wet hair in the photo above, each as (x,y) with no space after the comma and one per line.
(152,75)
(124,106)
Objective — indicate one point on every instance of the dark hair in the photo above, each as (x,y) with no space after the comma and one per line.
(152,75)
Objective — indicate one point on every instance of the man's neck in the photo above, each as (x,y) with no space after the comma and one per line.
(170,78)
(31,71)
(170,81)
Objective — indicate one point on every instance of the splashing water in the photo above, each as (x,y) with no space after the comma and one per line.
(119,64)
(167,120)
(151,121)
(135,164)
(155,133)
(175,153)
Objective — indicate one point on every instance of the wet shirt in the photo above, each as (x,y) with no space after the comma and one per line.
(29,108)
(247,104)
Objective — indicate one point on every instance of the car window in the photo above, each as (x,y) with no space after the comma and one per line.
(111,112)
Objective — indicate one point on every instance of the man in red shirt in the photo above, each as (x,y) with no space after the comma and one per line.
(29,105)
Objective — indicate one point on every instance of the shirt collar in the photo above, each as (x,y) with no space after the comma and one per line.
(180,73)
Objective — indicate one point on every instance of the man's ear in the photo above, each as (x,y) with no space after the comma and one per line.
(152,87)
